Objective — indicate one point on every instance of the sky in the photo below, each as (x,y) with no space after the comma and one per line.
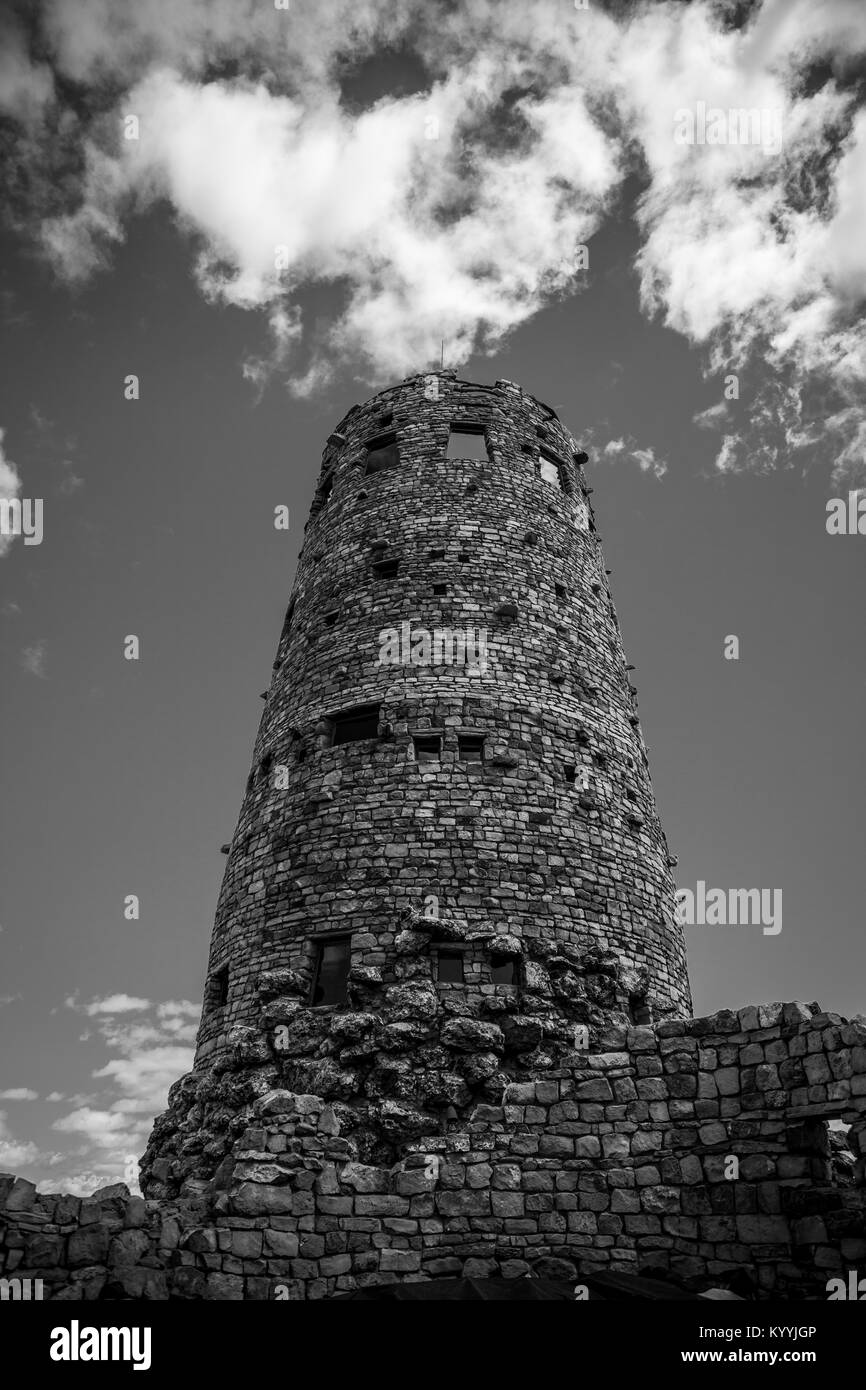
(266,214)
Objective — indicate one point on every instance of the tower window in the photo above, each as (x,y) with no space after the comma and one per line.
(449,968)
(467,441)
(428,747)
(382,452)
(386,569)
(330,618)
(570,772)
(350,725)
(470,747)
(550,468)
(218,988)
(326,487)
(503,969)
(560,591)
(331,970)
(463,557)
(440,588)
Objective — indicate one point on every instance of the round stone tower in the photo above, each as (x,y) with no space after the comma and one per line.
(448,873)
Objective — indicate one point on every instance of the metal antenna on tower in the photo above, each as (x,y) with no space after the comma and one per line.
(442,357)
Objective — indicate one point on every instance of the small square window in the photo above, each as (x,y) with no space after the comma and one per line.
(330,619)
(440,588)
(467,441)
(386,569)
(437,554)
(463,557)
(331,970)
(560,591)
(503,969)
(352,724)
(470,747)
(382,452)
(428,747)
(449,968)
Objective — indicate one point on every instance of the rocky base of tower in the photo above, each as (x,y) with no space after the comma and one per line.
(697,1149)
(410,1057)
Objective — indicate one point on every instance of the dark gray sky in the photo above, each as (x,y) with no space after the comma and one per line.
(125,777)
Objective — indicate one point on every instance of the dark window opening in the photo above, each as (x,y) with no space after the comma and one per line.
(463,557)
(219,988)
(449,967)
(570,772)
(437,555)
(440,588)
(330,618)
(386,569)
(327,487)
(428,747)
(503,969)
(386,419)
(640,1011)
(467,441)
(560,590)
(470,747)
(265,764)
(382,453)
(331,970)
(632,796)
(551,469)
(362,721)
(600,759)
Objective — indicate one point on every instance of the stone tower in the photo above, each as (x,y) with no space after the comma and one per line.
(448,874)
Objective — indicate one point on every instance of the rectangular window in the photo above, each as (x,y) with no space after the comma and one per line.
(437,554)
(503,969)
(440,588)
(449,968)
(550,468)
(467,441)
(386,569)
(219,988)
(331,970)
(382,452)
(352,724)
(428,747)
(470,747)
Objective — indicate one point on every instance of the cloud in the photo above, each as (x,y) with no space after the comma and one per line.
(16,1154)
(19,1093)
(34,659)
(10,488)
(149,1046)
(622,448)
(455,211)
(115,1004)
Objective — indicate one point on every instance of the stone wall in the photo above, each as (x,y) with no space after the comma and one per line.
(620,1159)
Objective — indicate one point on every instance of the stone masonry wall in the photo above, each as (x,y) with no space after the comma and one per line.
(549,849)
(620,1159)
